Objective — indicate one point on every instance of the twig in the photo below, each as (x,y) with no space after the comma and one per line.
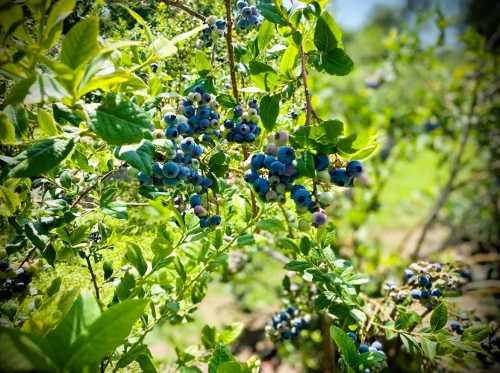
(456,165)
(31,252)
(185,8)
(89,189)
(94,278)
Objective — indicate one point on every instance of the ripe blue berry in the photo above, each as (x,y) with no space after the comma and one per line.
(204,222)
(286,154)
(170,169)
(215,220)
(195,200)
(436,293)
(425,281)
(321,162)
(354,168)
(338,176)
(363,348)
(353,336)
(416,293)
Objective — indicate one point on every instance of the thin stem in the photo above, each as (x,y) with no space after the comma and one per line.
(178,4)
(328,347)
(303,70)
(94,278)
(252,194)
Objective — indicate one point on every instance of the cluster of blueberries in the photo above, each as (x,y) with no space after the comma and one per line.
(244,125)
(201,212)
(198,124)
(363,347)
(426,282)
(248,17)
(12,281)
(214,28)
(286,325)
(272,173)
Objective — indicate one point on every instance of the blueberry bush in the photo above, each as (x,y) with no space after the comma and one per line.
(154,150)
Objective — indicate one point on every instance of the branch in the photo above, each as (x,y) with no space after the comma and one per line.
(285,215)
(178,4)
(230,50)
(328,347)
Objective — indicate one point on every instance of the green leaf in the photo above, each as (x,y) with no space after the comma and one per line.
(80,43)
(19,90)
(9,201)
(263,75)
(226,101)
(7,130)
(47,123)
(22,352)
(74,324)
(53,27)
(246,239)
(327,132)
(105,334)
(429,348)
(345,344)
(202,63)
(326,33)
(305,165)
(233,367)
(269,110)
(230,333)
(265,35)
(305,245)
(439,317)
(288,60)
(220,355)
(297,266)
(271,13)
(119,121)
(137,353)
(336,62)
(208,336)
(271,225)
(134,256)
(54,286)
(358,315)
(41,157)
(138,156)
(218,164)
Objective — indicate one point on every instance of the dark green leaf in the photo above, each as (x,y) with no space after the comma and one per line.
(139,156)
(336,62)
(218,164)
(269,110)
(271,225)
(119,121)
(345,344)
(297,266)
(326,33)
(271,13)
(134,256)
(41,157)
(305,165)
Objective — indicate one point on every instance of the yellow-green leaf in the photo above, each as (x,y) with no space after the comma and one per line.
(47,123)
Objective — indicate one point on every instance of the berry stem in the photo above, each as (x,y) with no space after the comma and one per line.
(303,70)
(285,215)
(230,50)
(178,4)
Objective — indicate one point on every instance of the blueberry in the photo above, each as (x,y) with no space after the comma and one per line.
(206,182)
(188,144)
(171,132)
(204,222)
(319,218)
(436,293)
(197,151)
(241,4)
(277,167)
(170,118)
(184,172)
(425,294)
(286,334)
(321,162)
(425,281)
(296,188)
(18,287)
(291,310)
(302,197)
(170,169)
(294,332)
(215,220)
(143,178)
(354,168)
(338,176)
(251,176)
(195,200)
(415,293)
(228,124)
(188,111)
(268,161)
(408,273)
(353,336)
(261,185)
(363,348)
(456,326)
(199,211)
(238,110)
(286,154)
(257,161)
(4,265)
(284,316)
